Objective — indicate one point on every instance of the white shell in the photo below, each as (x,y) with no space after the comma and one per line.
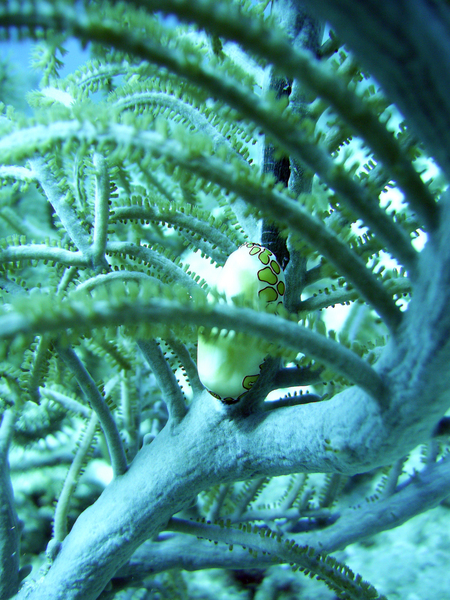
(226,367)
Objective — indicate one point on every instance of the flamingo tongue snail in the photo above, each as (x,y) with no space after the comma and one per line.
(228,367)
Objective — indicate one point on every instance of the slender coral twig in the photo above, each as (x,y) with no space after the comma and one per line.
(250,493)
(297,376)
(131,412)
(68,403)
(189,365)
(70,483)
(173,396)
(99,280)
(98,403)
(101,210)
(190,225)
(401,285)
(181,108)
(164,265)
(44,253)
(66,213)
(338,577)
(218,501)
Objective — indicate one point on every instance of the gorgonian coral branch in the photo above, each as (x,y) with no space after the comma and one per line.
(98,403)
(336,575)
(228,20)
(182,109)
(9,524)
(218,244)
(165,378)
(399,286)
(42,252)
(188,364)
(232,175)
(72,477)
(69,404)
(167,269)
(83,312)
(269,116)
(65,211)
(101,211)
(421,493)
(100,280)
(414,32)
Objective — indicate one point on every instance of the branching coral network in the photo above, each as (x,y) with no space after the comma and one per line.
(192,128)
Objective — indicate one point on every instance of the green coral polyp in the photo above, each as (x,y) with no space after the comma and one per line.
(229,365)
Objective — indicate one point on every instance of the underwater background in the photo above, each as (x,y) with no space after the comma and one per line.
(141,146)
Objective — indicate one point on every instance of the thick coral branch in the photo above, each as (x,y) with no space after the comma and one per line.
(423,492)
(9,524)
(347,434)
